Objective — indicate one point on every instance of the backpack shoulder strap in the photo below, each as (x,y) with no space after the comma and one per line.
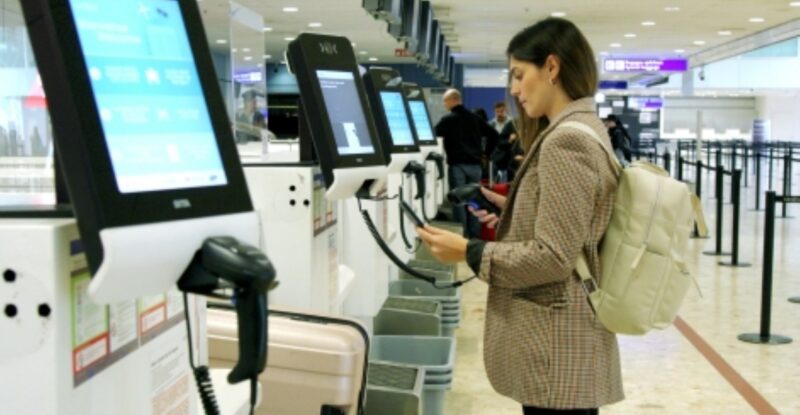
(576,125)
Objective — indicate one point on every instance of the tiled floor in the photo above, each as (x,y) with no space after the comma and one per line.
(663,372)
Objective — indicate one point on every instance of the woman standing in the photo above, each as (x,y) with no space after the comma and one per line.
(543,346)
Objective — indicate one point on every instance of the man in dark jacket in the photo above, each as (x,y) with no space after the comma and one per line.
(463,131)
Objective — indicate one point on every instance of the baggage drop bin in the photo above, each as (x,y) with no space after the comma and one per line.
(394,389)
(434,354)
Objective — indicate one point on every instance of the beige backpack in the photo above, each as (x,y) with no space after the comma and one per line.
(644,277)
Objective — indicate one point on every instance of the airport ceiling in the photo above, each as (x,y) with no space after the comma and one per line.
(478,31)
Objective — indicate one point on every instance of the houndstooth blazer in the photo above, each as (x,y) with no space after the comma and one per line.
(543,346)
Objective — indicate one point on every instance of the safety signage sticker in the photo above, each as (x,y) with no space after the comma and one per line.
(104,334)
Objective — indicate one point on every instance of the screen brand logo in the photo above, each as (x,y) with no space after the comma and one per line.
(181,204)
(328,48)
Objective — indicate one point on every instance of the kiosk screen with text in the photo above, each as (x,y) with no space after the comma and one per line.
(397,118)
(154,115)
(421,121)
(345,112)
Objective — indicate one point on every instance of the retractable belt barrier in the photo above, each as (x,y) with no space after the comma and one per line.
(765,336)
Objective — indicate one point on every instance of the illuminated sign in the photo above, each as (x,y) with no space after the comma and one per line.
(645,65)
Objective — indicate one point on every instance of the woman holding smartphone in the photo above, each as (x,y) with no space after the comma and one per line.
(543,346)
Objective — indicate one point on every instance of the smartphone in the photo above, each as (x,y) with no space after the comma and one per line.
(409,212)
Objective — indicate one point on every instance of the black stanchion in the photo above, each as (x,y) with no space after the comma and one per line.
(758,181)
(771,152)
(765,336)
(746,166)
(718,168)
(698,190)
(718,230)
(736,183)
(667,162)
(787,183)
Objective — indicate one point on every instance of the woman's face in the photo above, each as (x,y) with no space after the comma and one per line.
(530,85)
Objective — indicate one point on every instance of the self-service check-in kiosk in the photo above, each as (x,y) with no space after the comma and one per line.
(321,365)
(407,171)
(145,149)
(431,147)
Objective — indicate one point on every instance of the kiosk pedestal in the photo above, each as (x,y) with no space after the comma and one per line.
(300,230)
(63,354)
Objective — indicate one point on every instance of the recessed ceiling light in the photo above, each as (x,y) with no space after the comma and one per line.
(248,58)
(267,56)
(756,20)
(505,70)
(234,50)
(354,44)
(363,52)
(604,53)
(648,23)
(246,50)
(558,14)
(267,29)
(260,65)
(373,59)
(288,39)
(699,42)
(672,9)
(615,45)
(315,24)
(291,9)
(221,41)
(679,51)
(630,35)
(795,4)
(724,33)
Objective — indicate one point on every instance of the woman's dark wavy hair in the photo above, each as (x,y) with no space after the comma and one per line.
(578,74)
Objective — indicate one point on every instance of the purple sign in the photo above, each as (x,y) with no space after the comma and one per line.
(248,77)
(649,103)
(613,84)
(645,65)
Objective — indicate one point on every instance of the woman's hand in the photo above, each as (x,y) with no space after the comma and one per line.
(483,215)
(496,198)
(446,246)
(489,219)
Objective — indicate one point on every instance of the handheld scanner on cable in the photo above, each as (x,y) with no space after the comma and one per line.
(439,160)
(471,195)
(409,212)
(418,170)
(224,262)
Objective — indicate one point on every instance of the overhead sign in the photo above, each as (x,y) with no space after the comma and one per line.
(647,103)
(248,77)
(645,65)
(613,85)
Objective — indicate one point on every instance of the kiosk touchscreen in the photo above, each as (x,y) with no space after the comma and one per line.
(419,114)
(386,96)
(337,113)
(142,137)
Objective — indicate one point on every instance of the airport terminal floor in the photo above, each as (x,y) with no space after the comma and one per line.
(697,366)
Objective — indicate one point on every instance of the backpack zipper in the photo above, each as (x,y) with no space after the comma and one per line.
(646,240)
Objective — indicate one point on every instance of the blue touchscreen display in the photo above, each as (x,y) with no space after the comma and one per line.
(345,112)
(149,98)
(397,118)
(421,121)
